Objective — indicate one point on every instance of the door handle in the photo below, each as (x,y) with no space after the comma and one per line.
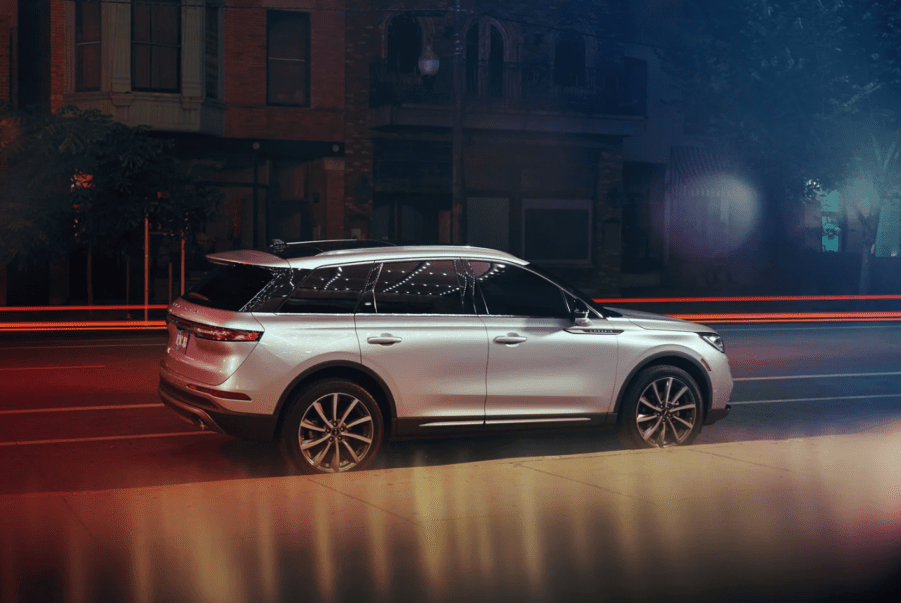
(510,338)
(384,339)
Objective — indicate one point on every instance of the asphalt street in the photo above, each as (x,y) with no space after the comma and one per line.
(105,495)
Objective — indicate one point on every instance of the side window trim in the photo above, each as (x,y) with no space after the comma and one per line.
(478,300)
(368,293)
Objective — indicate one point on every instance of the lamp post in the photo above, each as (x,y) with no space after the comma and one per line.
(428,65)
(256,194)
(457,134)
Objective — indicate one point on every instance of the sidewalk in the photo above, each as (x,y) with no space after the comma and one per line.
(808,519)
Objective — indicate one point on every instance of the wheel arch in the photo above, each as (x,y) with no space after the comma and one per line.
(681,360)
(340,369)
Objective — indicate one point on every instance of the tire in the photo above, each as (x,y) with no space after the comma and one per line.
(332,426)
(661,408)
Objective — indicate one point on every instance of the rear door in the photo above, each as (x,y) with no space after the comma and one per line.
(418,330)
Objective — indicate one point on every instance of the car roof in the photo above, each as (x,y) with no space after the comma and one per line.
(364,254)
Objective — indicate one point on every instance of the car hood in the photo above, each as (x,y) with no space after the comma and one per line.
(659,322)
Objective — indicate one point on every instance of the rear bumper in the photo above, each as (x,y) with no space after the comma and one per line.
(204,413)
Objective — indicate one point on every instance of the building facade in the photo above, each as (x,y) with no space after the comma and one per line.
(498,124)
(506,124)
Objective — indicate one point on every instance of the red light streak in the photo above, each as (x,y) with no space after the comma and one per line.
(110,325)
(793,317)
(757,317)
(64,308)
(637,300)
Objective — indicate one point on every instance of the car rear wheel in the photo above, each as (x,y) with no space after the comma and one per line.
(661,408)
(332,426)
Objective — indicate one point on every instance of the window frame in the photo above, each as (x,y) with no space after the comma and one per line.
(178,46)
(396,48)
(572,45)
(212,7)
(80,44)
(271,15)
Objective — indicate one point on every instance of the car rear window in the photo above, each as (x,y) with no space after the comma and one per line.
(242,288)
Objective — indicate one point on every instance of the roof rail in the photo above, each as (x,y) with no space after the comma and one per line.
(308,248)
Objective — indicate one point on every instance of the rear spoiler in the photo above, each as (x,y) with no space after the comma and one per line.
(249,257)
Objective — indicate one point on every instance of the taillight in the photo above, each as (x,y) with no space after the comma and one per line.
(202,331)
(223,334)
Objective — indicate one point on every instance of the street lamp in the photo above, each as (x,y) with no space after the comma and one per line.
(428,65)
(429,62)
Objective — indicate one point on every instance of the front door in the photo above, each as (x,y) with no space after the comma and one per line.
(542,367)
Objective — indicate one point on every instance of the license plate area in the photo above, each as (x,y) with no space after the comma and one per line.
(181,341)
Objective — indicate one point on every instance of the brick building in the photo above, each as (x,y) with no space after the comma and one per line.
(543,99)
(331,118)
(251,91)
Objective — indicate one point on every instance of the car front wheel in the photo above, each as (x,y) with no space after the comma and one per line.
(661,408)
(332,426)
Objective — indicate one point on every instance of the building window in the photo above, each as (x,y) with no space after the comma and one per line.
(404,45)
(485,61)
(87,45)
(211,52)
(569,59)
(542,222)
(635,86)
(288,58)
(156,45)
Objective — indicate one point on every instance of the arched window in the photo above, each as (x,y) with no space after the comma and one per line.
(485,60)
(472,60)
(404,44)
(496,64)
(569,59)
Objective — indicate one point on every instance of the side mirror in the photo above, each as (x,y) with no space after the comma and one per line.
(580,312)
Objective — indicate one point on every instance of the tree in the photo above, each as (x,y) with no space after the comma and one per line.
(77,179)
(793,89)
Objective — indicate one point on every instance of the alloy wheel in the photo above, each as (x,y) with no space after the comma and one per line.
(666,412)
(336,433)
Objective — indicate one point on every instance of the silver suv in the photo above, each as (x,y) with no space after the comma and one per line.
(332,347)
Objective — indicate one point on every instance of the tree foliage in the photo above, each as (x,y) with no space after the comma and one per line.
(78,179)
(802,92)
(788,85)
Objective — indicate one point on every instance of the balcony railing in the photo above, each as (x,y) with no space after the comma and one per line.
(618,89)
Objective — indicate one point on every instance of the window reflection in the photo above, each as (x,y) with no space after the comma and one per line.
(332,290)
(421,287)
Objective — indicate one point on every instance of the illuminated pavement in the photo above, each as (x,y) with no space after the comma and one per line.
(807,519)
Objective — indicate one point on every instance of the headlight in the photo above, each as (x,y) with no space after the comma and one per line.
(714,340)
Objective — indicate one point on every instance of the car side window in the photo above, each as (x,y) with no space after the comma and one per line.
(421,287)
(332,290)
(509,290)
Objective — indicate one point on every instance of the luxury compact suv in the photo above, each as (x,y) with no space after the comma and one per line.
(332,347)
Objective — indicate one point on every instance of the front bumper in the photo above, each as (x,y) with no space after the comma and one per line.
(716,414)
